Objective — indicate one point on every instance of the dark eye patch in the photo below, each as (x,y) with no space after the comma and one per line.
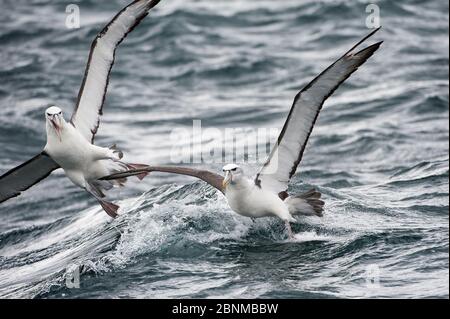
(233,169)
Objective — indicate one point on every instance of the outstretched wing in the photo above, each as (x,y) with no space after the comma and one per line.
(287,153)
(211,178)
(86,117)
(19,179)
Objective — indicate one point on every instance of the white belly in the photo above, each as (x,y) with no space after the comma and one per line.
(256,202)
(76,156)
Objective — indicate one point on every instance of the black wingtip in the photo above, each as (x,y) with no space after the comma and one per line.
(362,40)
(378,44)
(367,52)
(373,32)
(154,3)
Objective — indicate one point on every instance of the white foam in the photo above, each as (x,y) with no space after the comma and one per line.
(310,236)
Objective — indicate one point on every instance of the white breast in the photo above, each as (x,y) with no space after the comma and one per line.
(251,201)
(72,151)
(81,161)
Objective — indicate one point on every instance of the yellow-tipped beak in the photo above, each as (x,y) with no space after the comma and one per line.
(226,180)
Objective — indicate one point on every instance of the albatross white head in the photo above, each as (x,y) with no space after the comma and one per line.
(55,121)
(233,174)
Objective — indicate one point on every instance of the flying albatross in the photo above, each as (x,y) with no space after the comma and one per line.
(266,194)
(70,144)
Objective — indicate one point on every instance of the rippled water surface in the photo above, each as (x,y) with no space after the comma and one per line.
(379,152)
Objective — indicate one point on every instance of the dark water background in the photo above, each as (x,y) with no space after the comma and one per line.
(379,152)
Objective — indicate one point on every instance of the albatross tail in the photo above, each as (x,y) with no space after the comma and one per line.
(307,204)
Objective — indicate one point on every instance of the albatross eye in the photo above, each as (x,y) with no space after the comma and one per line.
(234,169)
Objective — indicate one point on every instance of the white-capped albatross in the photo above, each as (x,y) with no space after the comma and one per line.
(70,144)
(266,194)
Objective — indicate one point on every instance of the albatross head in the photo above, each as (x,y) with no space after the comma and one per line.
(55,120)
(233,174)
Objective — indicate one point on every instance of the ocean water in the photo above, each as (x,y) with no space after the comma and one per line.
(379,152)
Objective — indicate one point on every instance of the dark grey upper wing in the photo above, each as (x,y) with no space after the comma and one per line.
(19,179)
(211,178)
(288,152)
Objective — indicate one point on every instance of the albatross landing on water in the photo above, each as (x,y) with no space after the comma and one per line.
(70,144)
(266,194)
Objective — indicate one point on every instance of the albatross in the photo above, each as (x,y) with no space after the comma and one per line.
(266,194)
(70,145)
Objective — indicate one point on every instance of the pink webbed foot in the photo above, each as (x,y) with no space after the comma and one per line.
(289,229)
(110,208)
